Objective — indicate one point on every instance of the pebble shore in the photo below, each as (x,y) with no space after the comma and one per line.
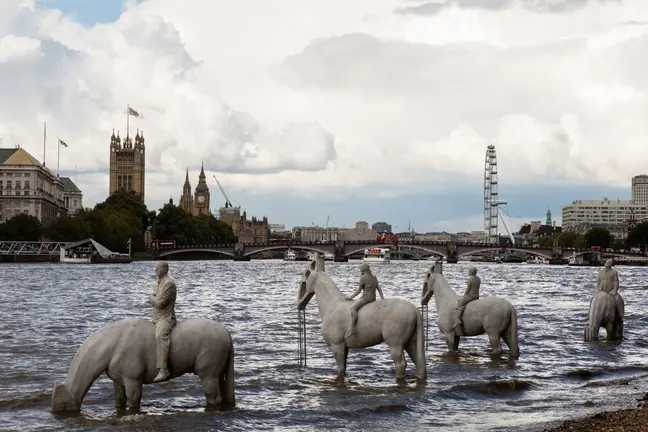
(627,420)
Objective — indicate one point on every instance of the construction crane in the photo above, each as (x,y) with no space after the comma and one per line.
(228,203)
(327,220)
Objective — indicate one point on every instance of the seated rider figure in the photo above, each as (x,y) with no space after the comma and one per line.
(163,301)
(472,293)
(368,286)
(608,281)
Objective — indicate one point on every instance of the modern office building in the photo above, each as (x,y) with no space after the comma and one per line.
(640,189)
(613,215)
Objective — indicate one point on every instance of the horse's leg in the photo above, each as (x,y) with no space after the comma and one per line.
(399,360)
(340,352)
(452,340)
(619,328)
(495,343)
(120,395)
(212,390)
(133,390)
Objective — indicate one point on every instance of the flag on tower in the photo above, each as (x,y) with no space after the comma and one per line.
(63,143)
(132,112)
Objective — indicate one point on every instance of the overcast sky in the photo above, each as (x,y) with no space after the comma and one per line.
(358,109)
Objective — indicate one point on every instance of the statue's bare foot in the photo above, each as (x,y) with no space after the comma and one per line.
(349,333)
(162,375)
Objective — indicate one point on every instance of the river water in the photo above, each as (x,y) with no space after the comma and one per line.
(47,310)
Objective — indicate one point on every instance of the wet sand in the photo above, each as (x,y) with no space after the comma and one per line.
(627,420)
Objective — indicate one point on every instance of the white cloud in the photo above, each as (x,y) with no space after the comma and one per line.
(16,47)
(311,97)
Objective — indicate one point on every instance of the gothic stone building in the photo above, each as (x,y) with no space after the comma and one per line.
(198,203)
(127,164)
(252,231)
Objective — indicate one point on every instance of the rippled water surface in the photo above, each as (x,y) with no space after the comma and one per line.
(47,310)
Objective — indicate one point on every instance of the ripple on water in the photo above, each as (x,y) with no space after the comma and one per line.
(53,308)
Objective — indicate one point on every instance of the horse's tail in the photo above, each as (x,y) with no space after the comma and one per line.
(513,334)
(417,347)
(227,378)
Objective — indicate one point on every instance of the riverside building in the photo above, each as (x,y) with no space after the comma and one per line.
(613,215)
(29,187)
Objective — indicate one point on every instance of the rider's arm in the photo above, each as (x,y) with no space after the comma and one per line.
(598,282)
(615,283)
(356,292)
(165,295)
(468,288)
(380,291)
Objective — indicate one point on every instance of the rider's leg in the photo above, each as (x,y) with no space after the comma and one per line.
(163,341)
(354,315)
(461,306)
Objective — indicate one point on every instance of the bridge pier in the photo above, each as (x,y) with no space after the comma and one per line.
(340,255)
(239,252)
(451,253)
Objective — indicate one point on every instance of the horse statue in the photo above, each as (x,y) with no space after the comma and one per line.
(605,311)
(126,351)
(491,315)
(396,322)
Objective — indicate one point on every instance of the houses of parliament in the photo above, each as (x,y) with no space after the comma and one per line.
(198,203)
(128,171)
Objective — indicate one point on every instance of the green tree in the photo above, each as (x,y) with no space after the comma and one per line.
(68,229)
(638,236)
(598,237)
(21,227)
(570,240)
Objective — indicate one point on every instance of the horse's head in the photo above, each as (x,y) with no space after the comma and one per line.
(306,290)
(430,280)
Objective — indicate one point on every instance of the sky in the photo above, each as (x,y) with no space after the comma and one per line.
(373,110)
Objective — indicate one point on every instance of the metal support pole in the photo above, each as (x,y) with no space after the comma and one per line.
(424,313)
(301,336)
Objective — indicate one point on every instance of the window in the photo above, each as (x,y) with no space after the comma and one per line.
(27,186)
(26,193)
(9,184)
(17,184)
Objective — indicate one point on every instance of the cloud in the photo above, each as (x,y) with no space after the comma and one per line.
(335,100)
(79,80)
(552,6)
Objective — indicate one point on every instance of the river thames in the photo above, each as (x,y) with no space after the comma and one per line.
(48,310)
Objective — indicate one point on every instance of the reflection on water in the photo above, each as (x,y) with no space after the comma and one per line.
(49,309)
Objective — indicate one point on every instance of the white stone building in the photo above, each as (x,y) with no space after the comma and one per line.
(27,186)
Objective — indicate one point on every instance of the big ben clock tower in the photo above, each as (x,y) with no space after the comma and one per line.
(201,195)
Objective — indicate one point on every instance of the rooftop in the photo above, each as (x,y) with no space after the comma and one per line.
(603,202)
(68,185)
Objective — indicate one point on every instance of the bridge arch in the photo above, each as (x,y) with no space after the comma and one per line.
(410,246)
(491,249)
(286,247)
(192,250)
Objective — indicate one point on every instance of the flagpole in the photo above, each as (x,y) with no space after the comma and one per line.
(44,140)
(58,158)
(127,119)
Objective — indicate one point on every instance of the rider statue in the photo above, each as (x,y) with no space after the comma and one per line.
(369,285)
(163,302)
(472,293)
(608,281)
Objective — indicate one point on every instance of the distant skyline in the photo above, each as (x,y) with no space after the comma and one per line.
(375,110)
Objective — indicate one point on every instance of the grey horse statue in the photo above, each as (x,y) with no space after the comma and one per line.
(396,322)
(126,351)
(491,315)
(605,311)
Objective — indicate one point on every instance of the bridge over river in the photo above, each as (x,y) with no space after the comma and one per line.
(342,250)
